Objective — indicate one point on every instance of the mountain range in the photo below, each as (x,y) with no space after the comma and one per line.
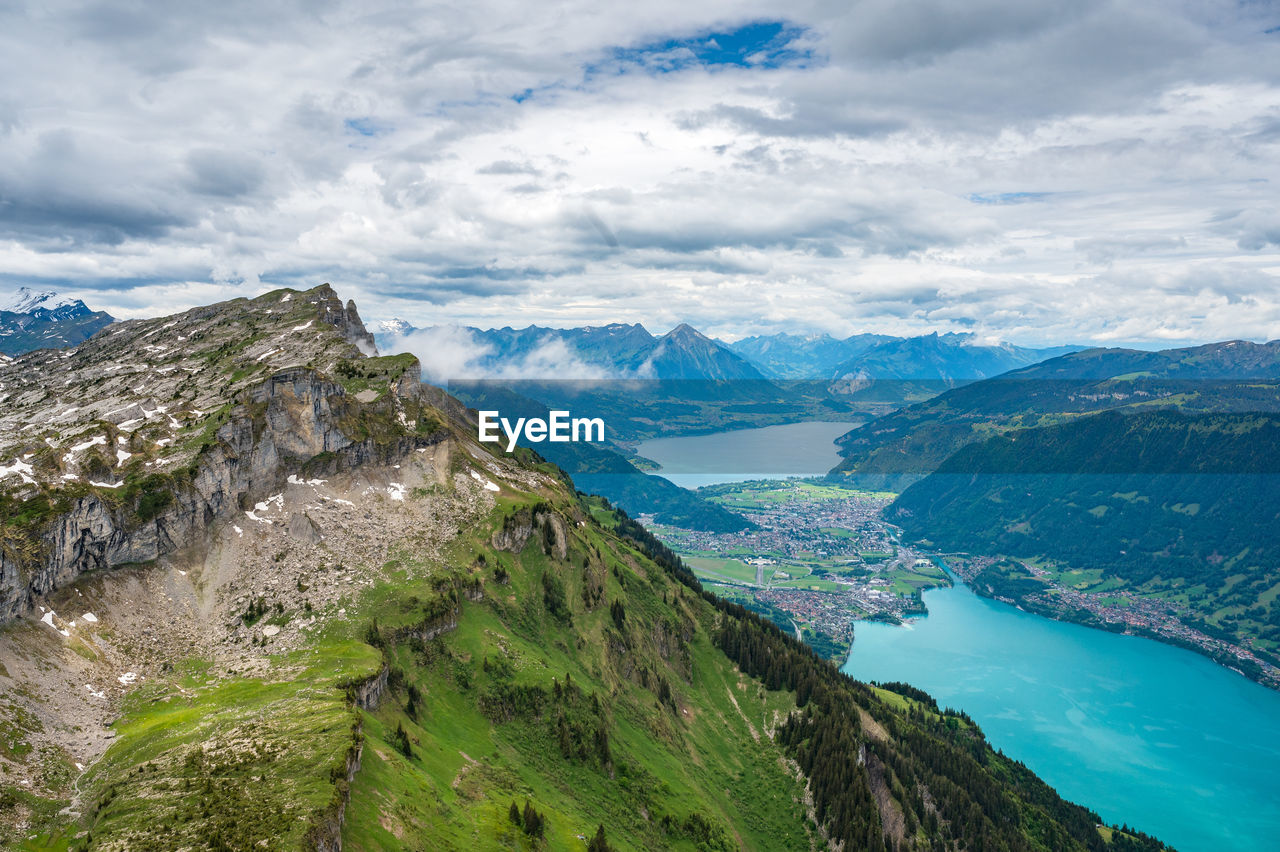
(622,351)
(948,358)
(631,351)
(261,589)
(44,320)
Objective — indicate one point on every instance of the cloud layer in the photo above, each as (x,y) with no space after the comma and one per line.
(1041,172)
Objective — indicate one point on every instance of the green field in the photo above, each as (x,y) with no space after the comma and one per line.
(759,494)
(722,569)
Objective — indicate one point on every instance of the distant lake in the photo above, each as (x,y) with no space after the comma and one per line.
(1142,732)
(770,452)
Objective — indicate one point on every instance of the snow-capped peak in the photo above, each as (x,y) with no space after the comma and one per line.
(395,325)
(27,301)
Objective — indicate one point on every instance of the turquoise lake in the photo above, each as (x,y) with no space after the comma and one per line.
(1142,732)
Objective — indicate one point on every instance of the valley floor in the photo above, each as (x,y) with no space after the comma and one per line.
(819,559)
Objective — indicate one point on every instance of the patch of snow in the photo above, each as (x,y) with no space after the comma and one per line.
(306,325)
(106,484)
(396,490)
(287,297)
(488,484)
(100,440)
(127,678)
(48,618)
(122,457)
(19,467)
(95,693)
(90,617)
(265,506)
(237,529)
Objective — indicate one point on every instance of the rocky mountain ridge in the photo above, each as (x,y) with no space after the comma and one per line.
(110,458)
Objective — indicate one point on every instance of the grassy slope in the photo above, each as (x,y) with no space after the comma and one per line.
(201,760)
(672,759)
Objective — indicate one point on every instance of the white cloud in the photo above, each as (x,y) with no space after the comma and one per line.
(451,353)
(1036,171)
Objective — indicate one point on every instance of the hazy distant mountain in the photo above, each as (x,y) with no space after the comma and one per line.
(946,358)
(950,358)
(686,353)
(32,319)
(619,349)
(800,356)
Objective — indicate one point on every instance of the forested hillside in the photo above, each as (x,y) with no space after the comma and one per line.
(1235,376)
(1178,506)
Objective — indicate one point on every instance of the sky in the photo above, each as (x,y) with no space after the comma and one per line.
(1097,172)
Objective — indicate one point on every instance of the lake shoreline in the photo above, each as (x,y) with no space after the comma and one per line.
(1227,657)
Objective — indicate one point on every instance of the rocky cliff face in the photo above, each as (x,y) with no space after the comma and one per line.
(203,415)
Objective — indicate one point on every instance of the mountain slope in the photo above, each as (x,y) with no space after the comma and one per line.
(144,435)
(686,353)
(382,635)
(1178,508)
(1229,376)
(44,320)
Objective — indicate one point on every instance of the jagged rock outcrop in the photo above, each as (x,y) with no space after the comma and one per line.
(367,695)
(519,527)
(325,833)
